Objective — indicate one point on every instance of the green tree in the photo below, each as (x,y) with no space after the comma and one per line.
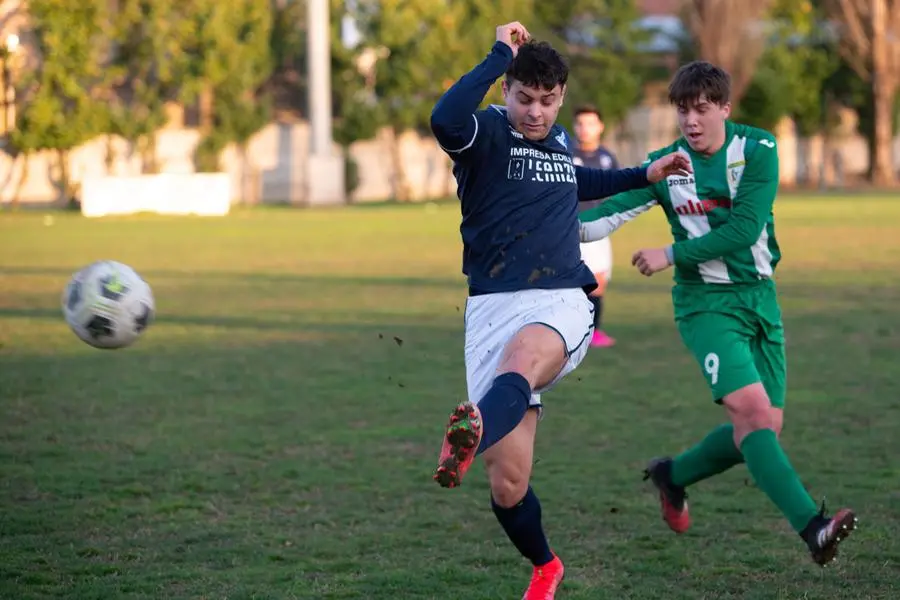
(148,69)
(788,81)
(230,61)
(871,47)
(601,42)
(728,34)
(846,88)
(63,99)
(436,42)
(353,102)
(352,85)
(429,40)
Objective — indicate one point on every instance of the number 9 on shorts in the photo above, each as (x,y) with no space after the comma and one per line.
(711,366)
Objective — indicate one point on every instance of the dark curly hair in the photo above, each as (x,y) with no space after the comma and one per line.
(700,78)
(538,65)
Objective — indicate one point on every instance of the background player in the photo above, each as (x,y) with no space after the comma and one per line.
(725,254)
(527,317)
(597,255)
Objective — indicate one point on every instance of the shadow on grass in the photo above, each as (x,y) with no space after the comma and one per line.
(659,284)
(847,307)
(303,468)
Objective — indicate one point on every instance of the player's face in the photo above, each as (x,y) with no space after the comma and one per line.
(702,124)
(532,111)
(588,129)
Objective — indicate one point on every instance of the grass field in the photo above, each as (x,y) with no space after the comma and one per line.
(274,434)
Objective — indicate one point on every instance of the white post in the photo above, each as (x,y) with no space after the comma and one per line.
(325,168)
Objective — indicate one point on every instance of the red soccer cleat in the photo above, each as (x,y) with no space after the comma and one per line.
(460,444)
(823,534)
(544,581)
(672,498)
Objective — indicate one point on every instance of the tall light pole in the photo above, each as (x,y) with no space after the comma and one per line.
(325,168)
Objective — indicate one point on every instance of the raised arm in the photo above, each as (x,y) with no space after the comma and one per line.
(751,209)
(453,120)
(600,221)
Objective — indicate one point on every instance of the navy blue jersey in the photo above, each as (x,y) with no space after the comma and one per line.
(519,198)
(600,158)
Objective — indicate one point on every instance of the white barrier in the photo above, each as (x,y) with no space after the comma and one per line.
(204,194)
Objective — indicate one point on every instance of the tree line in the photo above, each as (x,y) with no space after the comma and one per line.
(112,68)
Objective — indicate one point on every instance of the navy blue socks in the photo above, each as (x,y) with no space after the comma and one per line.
(503,408)
(522,524)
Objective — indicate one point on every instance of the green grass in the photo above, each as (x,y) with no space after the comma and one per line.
(274,433)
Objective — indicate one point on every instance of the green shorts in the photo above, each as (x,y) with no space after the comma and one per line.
(736,334)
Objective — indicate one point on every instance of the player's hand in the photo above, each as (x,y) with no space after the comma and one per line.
(513,35)
(650,260)
(676,163)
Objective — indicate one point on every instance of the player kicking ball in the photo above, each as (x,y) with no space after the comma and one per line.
(726,308)
(528,318)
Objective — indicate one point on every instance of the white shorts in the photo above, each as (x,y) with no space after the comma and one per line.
(492,320)
(598,257)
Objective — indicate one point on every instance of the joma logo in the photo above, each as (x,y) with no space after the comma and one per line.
(701,207)
(674,181)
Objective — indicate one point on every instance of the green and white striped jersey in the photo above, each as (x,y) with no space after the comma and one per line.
(721,215)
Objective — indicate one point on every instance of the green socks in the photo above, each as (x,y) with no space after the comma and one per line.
(766,461)
(774,475)
(715,454)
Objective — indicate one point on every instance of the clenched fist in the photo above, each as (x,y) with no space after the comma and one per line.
(513,35)
(651,260)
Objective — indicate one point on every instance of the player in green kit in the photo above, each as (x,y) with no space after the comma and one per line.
(725,253)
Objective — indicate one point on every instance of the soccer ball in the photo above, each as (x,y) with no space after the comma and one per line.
(108,305)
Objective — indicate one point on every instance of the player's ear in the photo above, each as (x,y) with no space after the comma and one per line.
(504,87)
(726,108)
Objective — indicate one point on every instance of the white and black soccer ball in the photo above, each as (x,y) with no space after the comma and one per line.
(108,305)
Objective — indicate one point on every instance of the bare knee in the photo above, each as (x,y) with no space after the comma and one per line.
(777,419)
(508,463)
(508,489)
(537,352)
(509,476)
(750,410)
